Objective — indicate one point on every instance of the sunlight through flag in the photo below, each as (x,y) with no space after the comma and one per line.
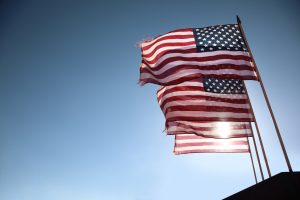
(190,143)
(205,100)
(210,129)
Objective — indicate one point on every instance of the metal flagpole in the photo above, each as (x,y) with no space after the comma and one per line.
(252,161)
(257,155)
(258,133)
(266,98)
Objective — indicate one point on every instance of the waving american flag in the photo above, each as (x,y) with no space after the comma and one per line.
(185,54)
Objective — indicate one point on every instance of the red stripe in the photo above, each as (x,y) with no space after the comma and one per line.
(189,36)
(203,118)
(181,44)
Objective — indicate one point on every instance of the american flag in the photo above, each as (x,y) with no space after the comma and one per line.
(185,54)
(190,143)
(210,129)
(205,100)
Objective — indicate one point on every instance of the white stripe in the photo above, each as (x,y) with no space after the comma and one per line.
(219,147)
(189,72)
(197,55)
(199,64)
(207,114)
(150,50)
(149,59)
(144,44)
(200,139)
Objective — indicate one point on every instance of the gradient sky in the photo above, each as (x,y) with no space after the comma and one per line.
(74,123)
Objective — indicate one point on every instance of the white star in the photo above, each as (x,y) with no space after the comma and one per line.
(214,44)
(209,42)
(202,49)
(211,48)
(213,38)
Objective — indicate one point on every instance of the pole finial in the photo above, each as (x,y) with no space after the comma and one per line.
(238,19)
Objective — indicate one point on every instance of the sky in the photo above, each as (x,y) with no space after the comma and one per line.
(74,123)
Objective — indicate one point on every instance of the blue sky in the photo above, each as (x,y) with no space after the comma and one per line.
(74,123)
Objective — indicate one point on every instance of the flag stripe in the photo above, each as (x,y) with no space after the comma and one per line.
(189,74)
(210,129)
(190,143)
(193,56)
(175,33)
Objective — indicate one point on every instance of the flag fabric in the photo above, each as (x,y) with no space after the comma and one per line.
(205,100)
(210,129)
(190,143)
(185,54)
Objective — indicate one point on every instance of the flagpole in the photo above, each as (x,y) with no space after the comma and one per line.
(252,161)
(258,133)
(257,155)
(266,98)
